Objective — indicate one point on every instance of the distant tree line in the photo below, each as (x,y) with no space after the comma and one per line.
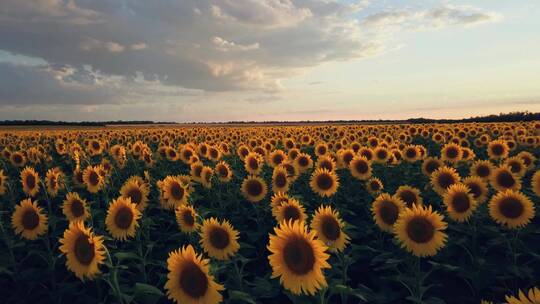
(501,117)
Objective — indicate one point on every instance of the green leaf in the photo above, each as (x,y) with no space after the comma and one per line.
(241,296)
(145,293)
(346,290)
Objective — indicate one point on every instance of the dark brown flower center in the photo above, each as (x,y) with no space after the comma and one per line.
(177,191)
(223,171)
(31,181)
(188,218)
(330,228)
(361,166)
(420,230)
(511,207)
(324,181)
(460,202)
(123,218)
(303,161)
(193,281)
(497,149)
(483,171)
(277,159)
(84,250)
(389,212)
(408,197)
(505,179)
(219,238)
(299,256)
(452,152)
(431,166)
(254,187)
(411,153)
(77,208)
(136,195)
(93,178)
(253,163)
(30,219)
(280,180)
(291,213)
(374,185)
(446,180)
(17,159)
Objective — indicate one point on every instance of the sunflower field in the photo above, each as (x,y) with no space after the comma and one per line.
(427,213)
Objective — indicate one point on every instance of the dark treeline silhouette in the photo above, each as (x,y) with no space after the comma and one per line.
(502,117)
(79,123)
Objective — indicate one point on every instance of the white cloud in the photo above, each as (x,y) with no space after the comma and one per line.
(225,46)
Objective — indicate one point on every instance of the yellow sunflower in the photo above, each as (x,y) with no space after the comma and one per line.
(498,149)
(276,201)
(254,188)
(451,153)
(298,258)
(430,165)
(30,181)
(137,191)
(323,182)
(326,162)
(329,228)
(280,181)
(511,208)
(478,187)
(386,210)
(53,181)
(92,179)
(206,177)
(535,183)
(175,192)
(503,178)
(460,202)
(290,210)
(223,171)
(28,220)
(189,280)
(3,182)
(303,162)
(374,186)
(420,230)
(17,159)
(84,250)
(532,297)
(186,217)
(122,218)
(482,169)
(75,208)
(443,178)
(360,168)
(253,163)
(219,240)
(409,195)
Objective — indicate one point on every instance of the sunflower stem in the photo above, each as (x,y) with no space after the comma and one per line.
(114,277)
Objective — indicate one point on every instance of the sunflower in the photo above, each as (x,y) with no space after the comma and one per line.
(17,159)
(430,165)
(189,280)
(206,177)
(527,158)
(516,165)
(276,201)
(498,149)
(276,157)
(460,202)
(53,181)
(382,155)
(280,181)
(290,210)
(503,178)
(324,182)
(443,178)
(219,240)
(535,183)
(75,208)
(92,179)
(28,220)
(329,228)
(409,195)
(386,210)
(482,169)
(411,153)
(253,163)
(137,191)
(186,217)
(254,188)
(420,230)
(196,170)
(303,162)
(326,162)
(175,192)
(511,208)
(3,182)
(122,218)
(374,186)
(298,258)
(532,297)
(84,250)
(478,188)
(223,171)
(30,181)
(451,153)
(360,168)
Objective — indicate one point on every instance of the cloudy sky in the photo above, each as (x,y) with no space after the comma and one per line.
(223,60)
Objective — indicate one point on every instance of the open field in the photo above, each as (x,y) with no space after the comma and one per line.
(303,213)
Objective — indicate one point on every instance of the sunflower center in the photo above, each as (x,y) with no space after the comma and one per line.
(299,256)
(291,213)
(475,189)
(497,149)
(193,280)
(411,153)
(326,165)
(505,179)
(84,250)
(77,208)
(446,180)
(135,195)
(389,212)
(281,180)
(223,172)
(325,181)
(219,238)
(408,197)
(254,187)
(432,166)
(30,220)
(381,154)
(253,163)
(123,218)
(461,202)
(482,171)
(374,185)
(331,228)
(93,178)
(198,171)
(303,161)
(361,167)
(511,207)
(17,158)
(452,153)
(321,150)
(177,192)
(188,218)
(31,181)
(278,158)
(420,230)
(515,166)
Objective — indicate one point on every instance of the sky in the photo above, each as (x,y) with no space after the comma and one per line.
(260,60)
